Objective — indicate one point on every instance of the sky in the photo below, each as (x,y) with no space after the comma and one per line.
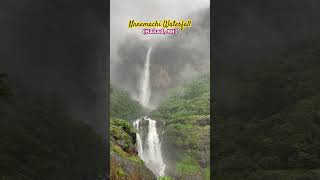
(121,11)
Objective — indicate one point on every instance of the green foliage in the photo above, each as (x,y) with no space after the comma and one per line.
(118,150)
(39,141)
(191,99)
(165,178)
(207,173)
(123,124)
(187,166)
(187,116)
(122,106)
(120,134)
(122,131)
(120,172)
(136,159)
(271,131)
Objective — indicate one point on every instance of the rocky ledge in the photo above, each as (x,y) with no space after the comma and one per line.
(125,163)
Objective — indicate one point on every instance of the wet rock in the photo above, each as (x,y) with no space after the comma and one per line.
(125,163)
(125,169)
(144,122)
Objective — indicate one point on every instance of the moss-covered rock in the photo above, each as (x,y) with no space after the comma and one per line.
(125,162)
(129,168)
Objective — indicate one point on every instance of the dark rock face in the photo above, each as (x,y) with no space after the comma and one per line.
(144,130)
(125,163)
(144,123)
(131,169)
(159,77)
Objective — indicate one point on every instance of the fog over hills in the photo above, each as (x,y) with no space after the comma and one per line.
(174,58)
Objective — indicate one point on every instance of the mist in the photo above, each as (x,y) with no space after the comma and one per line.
(174,59)
(57,48)
(251,33)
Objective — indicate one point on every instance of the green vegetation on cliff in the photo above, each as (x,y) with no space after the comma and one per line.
(125,162)
(38,140)
(123,106)
(186,139)
(272,128)
(190,100)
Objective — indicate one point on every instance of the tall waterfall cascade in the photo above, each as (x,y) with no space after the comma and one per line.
(148,141)
(149,148)
(145,91)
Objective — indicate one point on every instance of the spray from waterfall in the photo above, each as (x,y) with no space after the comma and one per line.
(148,142)
(139,140)
(145,91)
(149,146)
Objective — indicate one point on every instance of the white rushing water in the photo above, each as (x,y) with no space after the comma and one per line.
(145,93)
(150,150)
(139,141)
(148,142)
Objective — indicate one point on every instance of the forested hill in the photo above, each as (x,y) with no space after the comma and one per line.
(186,137)
(123,106)
(266,87)
(271,131)
(124,161)
(39,140)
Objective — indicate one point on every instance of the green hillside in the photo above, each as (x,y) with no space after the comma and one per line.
(272,128)
(123,106)
(125,162)
(38,140)
(186,138)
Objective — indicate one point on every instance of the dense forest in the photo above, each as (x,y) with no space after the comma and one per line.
(186,138)
(266,73)
(272,132)
(53,97)
(122,106)
(40,141)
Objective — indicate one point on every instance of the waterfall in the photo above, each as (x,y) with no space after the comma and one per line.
(145,93)
(148,142)
(139,141)
(149,148)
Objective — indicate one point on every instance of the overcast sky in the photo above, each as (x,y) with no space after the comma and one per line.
(122,11)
